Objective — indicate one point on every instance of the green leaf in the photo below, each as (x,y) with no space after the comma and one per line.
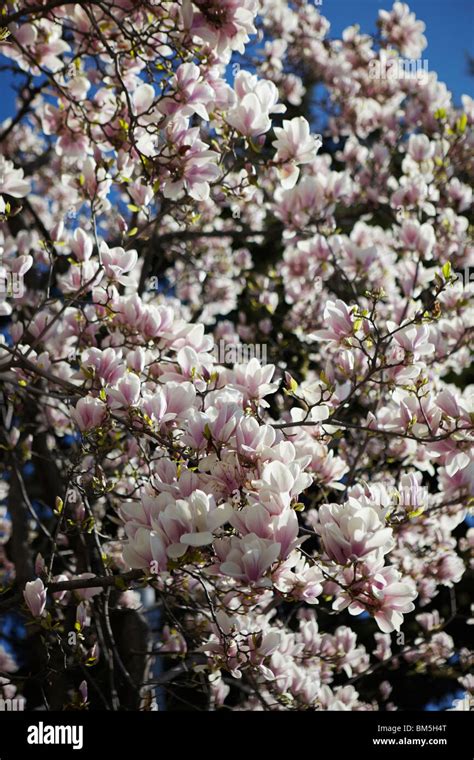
(461,124)
(447,270)
(324,378)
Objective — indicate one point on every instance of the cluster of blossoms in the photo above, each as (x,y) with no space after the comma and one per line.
(163,192)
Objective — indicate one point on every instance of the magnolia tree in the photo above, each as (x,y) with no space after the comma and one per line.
(234,360)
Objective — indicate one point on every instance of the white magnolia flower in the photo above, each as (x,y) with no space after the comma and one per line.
(11,182)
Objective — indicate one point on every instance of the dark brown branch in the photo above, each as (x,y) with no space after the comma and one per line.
(119,581)
(40,9)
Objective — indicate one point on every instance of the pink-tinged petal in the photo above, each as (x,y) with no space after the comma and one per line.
(143,98)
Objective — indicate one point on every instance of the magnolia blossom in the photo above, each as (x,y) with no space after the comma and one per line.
(253,380)
(142,100)
(126,393)
(81,245)
(350,532)
(282,529)
(222,24)
(279,484)
(249,117)
(339,321)
(193,94)
(418,237)
(294,145)
(89,413)
(143,548)
(105,365)
(413,339)
(401,27)
(164,527)
(11,182)
(35,597)
(117,262)
(196,166)
(247,558)
(189,522)
(383,592)
(299,579)
(257,99)
(392,599)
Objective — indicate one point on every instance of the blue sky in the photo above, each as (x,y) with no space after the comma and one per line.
(449,30)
